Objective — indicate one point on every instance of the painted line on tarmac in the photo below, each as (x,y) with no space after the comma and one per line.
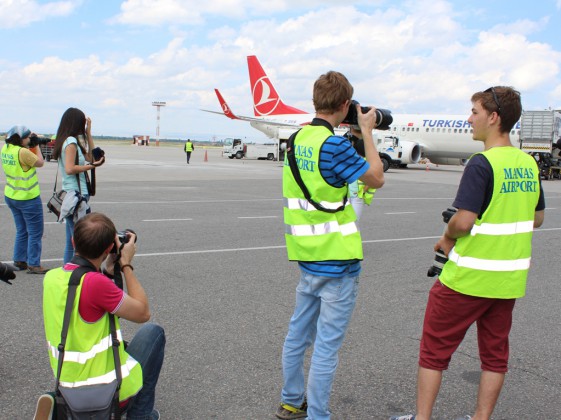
(257,217)
(403,212)
(265,248)
(164,220)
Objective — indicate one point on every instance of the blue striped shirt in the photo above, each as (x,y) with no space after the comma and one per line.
(339,164)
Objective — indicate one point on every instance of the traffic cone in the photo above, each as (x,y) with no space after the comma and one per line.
(427,169)
(206,156)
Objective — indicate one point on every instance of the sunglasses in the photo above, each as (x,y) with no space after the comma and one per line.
(492,90)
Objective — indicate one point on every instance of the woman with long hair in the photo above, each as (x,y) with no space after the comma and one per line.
(73,150)
(23,197)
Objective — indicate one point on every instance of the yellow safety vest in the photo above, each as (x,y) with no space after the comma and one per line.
(20,185)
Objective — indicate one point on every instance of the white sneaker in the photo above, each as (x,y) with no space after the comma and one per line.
(45,407)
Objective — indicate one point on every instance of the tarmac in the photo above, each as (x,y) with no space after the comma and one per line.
(212,259)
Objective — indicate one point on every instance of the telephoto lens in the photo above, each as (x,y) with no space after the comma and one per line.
(6,273)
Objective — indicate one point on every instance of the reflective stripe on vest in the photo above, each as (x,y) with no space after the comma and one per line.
(303,204)
(493,260)
(321,229)
(20,185)
(126,370)
(311,234)
(88,356)
(489,265)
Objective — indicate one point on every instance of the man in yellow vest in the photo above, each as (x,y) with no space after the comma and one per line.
(189,149)
(88,357)
(322,235)
(488,243)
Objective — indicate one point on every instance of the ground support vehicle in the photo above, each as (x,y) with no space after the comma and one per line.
(236,148)
(540,136)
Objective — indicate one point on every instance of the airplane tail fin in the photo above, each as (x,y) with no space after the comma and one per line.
(266,100)
(225,108)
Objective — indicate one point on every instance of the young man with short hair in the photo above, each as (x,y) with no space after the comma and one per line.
(326,243)
(488,243)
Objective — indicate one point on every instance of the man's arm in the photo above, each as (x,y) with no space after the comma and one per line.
(374,176)
(135,306)
(538,218)
(459,225)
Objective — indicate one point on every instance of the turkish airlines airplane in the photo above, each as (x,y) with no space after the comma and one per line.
(443,139)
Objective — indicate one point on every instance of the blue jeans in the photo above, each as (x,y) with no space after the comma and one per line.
(68,248)
(147,348)
(324,306)
(28,215)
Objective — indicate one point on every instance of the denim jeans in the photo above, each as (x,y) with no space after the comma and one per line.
(147,348)
(324,306)
(68,248)
(28,215)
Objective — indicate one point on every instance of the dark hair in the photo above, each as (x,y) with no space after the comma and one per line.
(505,101)
(331,90)
(14,139)
(93,234)
(72,124)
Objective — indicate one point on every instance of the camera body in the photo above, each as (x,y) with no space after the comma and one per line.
(124,237)
(440,258)
(97,153)
(35,140)
(383,116)
(6,273)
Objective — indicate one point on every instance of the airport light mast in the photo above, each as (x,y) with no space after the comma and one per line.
(158,105)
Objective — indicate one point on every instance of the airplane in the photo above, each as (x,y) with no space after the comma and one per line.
(442,139)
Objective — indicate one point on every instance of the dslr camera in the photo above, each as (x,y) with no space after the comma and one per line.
(98,153)
(440,258)
(6,273)
(383,116)
(35,140)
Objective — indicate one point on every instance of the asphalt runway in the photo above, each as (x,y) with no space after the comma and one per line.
(211,257)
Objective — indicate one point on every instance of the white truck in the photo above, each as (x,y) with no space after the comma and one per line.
(237,148)
(540,136)
(396,152)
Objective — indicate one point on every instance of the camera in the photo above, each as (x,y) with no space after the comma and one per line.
(35,140)
(6,273)
(124,237)
(98,153)
(383,116)
(440,258)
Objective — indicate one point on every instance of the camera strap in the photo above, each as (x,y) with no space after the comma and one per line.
(298,178)
(85,266)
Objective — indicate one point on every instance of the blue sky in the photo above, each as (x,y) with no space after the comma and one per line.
(113,58)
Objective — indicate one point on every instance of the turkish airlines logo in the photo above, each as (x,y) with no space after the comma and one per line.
(263,102)
(225,108)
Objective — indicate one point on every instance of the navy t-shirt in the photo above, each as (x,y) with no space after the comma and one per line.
(339,164)
(476,187)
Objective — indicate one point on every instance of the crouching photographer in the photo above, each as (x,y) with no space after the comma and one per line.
(81,310)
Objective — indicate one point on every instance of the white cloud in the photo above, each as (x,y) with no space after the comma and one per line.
(20,13)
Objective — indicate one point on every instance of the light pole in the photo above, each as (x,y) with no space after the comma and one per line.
(158,105)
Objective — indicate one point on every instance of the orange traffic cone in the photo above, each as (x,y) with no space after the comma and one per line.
(427,168)
(206,156)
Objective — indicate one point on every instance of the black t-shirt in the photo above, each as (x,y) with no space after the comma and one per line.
(476,187)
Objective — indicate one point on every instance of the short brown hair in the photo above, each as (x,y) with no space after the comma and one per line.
(331,90)
(504,97)
(93,234)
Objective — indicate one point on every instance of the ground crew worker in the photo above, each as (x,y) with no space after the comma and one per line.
(189,149)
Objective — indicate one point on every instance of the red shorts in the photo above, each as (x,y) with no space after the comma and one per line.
(449,315)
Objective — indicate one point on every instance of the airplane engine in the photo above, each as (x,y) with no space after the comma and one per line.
(449,161)
(411,152)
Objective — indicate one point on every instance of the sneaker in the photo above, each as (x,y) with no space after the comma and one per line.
(20,265)
(37,270)
(404,417)
(45,407)
(286,411)
(155,415)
